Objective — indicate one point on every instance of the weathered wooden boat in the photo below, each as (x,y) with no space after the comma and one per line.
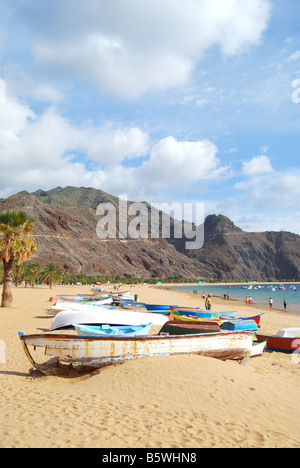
(80,297)
(258,347)
(238,324)
(197,318)
(203,313)
(286,339)
(111,330)
(180,327)
(76,355)
(134,305)
(118,300)
(64,305)
(159,308)
(256,318)
(99,316)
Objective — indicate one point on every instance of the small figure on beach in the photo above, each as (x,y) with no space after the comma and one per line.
(228,295)
(208,302)
(225,296)
(284,304)
(203,295)
(271,303)
(246,300)
(250,300)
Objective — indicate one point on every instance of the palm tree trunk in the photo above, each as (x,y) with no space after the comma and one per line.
(7,297)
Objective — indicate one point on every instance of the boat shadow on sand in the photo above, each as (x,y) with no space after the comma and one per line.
(17,374)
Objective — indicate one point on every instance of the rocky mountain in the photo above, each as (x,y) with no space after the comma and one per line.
(66,234)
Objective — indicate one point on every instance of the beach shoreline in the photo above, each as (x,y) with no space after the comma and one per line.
(181,401)
(294,309)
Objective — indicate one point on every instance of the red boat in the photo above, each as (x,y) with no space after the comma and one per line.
(287,340)
(256,318)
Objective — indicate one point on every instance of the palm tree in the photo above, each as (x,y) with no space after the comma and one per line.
(16,242)
(51,273)
(29,273)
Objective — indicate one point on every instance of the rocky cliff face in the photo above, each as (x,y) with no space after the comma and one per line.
(234,254)
(66,222)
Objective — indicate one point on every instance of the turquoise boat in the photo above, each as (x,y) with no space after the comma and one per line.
(204,313)
(240,325)
(112,330)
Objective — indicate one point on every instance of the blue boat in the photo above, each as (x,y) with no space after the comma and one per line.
(160,308)
(239,324)
(112,330)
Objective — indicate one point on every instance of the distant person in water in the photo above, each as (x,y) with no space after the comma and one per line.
(271,303)
(208,302)
(284,304)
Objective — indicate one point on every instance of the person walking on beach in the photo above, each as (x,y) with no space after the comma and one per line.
(271,303)
(246,300)
(284,304)
(250,300)
(208,302)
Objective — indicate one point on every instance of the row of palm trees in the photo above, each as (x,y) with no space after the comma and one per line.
(32,273)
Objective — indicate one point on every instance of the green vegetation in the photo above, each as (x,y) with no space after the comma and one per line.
(16,246)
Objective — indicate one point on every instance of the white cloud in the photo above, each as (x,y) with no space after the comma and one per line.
(258,166)
(181,163)
(47,93)
(294,57)
(111,146)
(46,150)
(132,47)
(268,202)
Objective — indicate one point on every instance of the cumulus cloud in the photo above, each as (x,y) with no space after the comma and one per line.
(182,162)
(47,150)
(133,47)
(258,165)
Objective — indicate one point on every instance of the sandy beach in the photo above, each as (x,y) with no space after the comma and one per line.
(176,401)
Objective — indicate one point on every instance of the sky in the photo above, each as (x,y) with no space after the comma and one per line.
(175,101)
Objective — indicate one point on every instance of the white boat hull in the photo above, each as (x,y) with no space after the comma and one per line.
(98,352)
(258,348)
(97,315)
(60,306)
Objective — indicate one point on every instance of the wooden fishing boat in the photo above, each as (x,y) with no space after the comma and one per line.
(110,330)
(100,316)
(258,347)
(194,318)
(286,339)
(180,327)
(118,300)
(64,305)
(203,313)
(238,324)
(76,355)
(197,318)
(159,308)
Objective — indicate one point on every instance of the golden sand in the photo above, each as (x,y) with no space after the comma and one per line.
(176,401)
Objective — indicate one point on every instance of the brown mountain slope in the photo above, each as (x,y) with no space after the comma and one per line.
(66,235)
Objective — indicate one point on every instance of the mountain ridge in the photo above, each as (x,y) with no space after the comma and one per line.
(66,221)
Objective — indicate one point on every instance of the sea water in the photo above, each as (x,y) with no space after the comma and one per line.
(260,293)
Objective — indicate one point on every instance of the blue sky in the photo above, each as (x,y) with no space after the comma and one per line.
(160,100)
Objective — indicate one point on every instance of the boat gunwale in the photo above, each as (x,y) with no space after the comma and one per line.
(131,338)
